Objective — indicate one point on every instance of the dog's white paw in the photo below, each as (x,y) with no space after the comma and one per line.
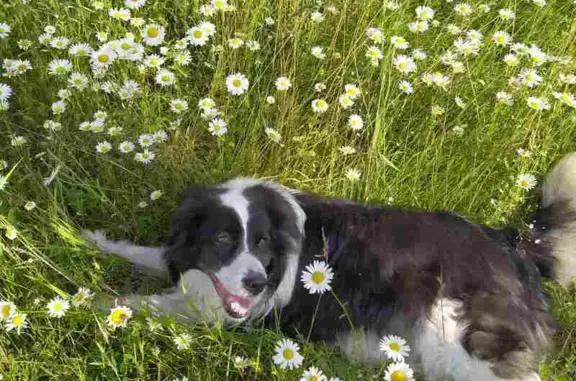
(95,238)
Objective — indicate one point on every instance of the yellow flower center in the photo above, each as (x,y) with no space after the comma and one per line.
(288,354)
(153,32)
(197,34)
(399,376)
(236,83)
(6,311)
(351,92)
(403,66)
(318,277)
(118,317)
(395,347)
(166,78)
(57,306)
(125,46)
(501,39)
(103,58)
(524,183)
(60,70)
(21,67)
(313,378)
(18,320)
(321,103)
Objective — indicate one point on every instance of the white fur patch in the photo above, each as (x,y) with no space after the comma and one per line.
(148,258)
(560,186)
(438,346)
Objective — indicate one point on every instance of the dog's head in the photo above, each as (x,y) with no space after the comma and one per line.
(234,248)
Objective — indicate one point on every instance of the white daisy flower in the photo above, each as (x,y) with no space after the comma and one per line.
(57,307)
(59,67)
(511,60)
(197,36)
(126,147)
(352,91)
(219,5)
(237,83)
(313,374)
(347,150)
(135,4)
(17,322)
(155,195)
(218,127)
(505,98)
(241,362)
(419,55)
(463,9)
(526,181)
(424,13)
(183,341)
(345,101)
(3,182)
(11,233)
(375,35)
(80,50)
(120,14)
(374,54)
(208,28)
(18,141)
(270,100)
(103,147)
(529,77)
(252,45)
(58,107)
(317,17)
(137,21)
(78,81)
(178,105)
(165,78)
(460,102)
(538,103)
(5,92)
(4,30)
(206,103)
(352,174)
(287,355)
(317,277)
(394,347)
(153,34)
(82,297)
(540,3)
(183,58)
(406,87)
(7,310)
(145,140)
(355,122)
(399,42)
(273,135)
(418,26)
(502,38)
(507,14)
(319,87)
(235,43)
(60,43)
(404,64)
(119,317)
(566,98)
(283,83)
(30,205)
(537,56)
(103,57)
(320,106)
(318,52)
(399,372)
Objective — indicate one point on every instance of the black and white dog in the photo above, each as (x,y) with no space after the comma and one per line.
(468,297)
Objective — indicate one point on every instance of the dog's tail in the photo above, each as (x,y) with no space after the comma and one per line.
(552,243)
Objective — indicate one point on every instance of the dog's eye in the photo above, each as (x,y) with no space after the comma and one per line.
(223,238)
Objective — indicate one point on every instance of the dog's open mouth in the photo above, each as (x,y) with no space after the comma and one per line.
(236,306)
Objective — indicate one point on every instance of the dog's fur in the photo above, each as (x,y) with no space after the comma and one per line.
(467,297)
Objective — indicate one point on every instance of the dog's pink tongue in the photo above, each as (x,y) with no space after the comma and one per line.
(227,296)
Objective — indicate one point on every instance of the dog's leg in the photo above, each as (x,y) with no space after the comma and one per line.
(149,258)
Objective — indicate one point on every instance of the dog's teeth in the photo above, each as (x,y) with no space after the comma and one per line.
(236,307)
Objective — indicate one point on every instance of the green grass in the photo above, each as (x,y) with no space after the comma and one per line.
(406,157)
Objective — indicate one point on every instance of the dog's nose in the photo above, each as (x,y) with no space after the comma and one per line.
(254,282)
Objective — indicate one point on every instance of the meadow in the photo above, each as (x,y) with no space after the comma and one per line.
(109,109)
